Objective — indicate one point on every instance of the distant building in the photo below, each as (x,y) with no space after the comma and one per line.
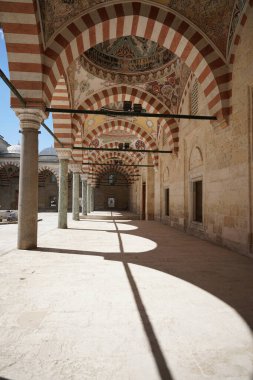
(9,177)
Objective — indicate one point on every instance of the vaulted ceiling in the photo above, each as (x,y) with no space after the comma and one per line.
(102,52)
(135,62)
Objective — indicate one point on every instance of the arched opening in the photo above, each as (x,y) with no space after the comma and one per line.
(48,191)
(111,192)
(9,187)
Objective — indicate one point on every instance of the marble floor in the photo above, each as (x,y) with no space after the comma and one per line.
(123,299)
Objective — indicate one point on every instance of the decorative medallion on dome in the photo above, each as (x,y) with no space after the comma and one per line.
(149,123)
(95,143)
(139,144)
(127,58)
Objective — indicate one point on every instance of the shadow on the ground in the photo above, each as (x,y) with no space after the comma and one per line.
(223,273)
(219,271)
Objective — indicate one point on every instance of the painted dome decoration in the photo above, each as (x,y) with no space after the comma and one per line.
(139,144)
(94,143)
(14,149)
(126,58)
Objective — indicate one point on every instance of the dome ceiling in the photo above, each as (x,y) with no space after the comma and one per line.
(122,58)
(167,83)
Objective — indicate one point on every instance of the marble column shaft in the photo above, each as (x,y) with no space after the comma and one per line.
(30,120)
(64,155)
(88,198)
(84,196)
(150,191)
(63,193)
(92,199)
(75,196)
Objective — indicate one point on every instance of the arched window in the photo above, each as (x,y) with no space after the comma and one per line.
(112,179)
(195,98)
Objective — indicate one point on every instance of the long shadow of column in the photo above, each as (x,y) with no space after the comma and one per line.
(147,325)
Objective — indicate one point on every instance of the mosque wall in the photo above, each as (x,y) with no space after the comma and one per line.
(220,157)
(119,193)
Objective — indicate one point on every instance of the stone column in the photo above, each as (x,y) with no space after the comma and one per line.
(76,169)
(64,156)
(92,199)
(88,198)
(30,120)
(84,194)
(150,191)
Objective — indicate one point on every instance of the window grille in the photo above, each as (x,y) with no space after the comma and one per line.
(195,98)
(167,202)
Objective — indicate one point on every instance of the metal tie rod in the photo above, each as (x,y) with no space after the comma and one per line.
(130,114)
(123,150)
(117,166)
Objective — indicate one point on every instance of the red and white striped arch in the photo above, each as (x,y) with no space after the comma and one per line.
(21,26)
(114,168)
(150,22)
(29,70)
(149,102)
(135,156)
(100,171)
(126,126)
(237,34)
(9,163)
(62,121)
(78,154)
(103,172)
(107,157)
(46,168)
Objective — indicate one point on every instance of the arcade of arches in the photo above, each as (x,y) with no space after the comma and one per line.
(169,59)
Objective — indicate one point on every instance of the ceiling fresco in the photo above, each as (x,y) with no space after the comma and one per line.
(54,13)
(211,16)
(217,19)
(135,61)
(128,60)
(129,54)
(148,125)
(168,88)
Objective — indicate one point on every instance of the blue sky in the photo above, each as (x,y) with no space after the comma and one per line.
(9,123)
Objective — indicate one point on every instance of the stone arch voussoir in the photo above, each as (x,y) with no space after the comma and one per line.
(151,22)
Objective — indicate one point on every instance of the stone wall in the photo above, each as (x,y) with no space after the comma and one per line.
(119,191)
(9,195)
(220,156)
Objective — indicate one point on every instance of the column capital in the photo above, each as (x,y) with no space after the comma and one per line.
(84,177)
(30,118)
(76,168)
(64,153)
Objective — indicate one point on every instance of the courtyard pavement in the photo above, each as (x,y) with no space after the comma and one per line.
(123,299)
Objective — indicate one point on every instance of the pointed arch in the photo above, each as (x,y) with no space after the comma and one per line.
(49,169)
(22,32)
(149,102)
(150,22)
(62,122)
(128,127)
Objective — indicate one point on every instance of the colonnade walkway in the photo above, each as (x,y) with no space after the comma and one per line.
(123,300)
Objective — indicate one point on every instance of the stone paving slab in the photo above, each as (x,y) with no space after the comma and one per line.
(124,299)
